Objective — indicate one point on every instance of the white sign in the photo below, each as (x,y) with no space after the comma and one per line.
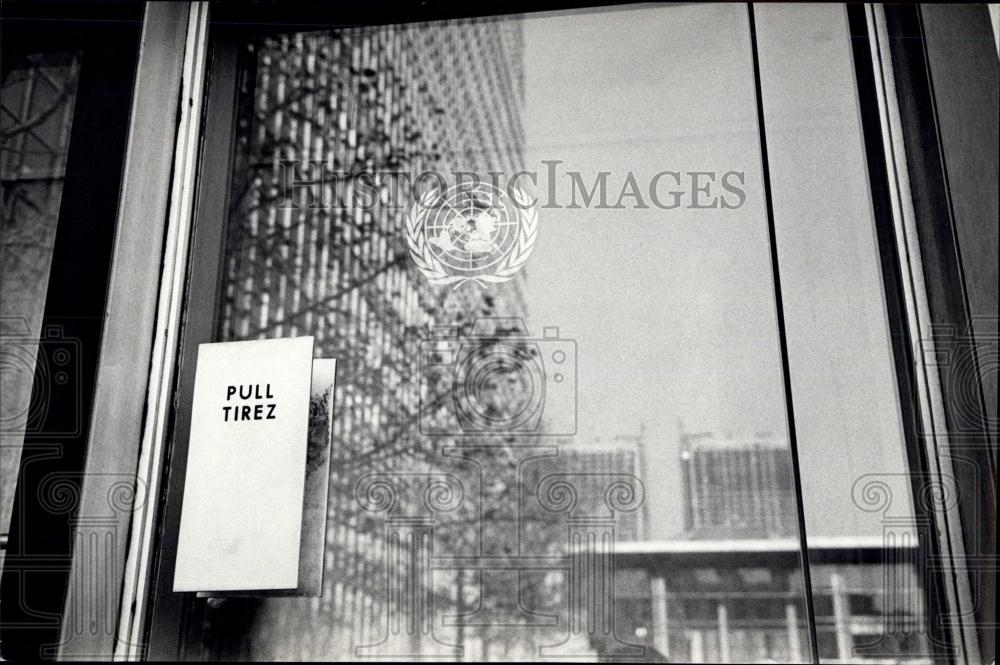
(241,521)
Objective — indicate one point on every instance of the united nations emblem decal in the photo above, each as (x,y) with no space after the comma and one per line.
(471,232)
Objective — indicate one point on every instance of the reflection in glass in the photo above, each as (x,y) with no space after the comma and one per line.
(856,489)
(586,460)
(39,94)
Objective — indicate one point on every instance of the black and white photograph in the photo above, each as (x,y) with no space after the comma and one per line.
(413,330)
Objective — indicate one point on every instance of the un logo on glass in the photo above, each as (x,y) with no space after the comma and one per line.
(471,232)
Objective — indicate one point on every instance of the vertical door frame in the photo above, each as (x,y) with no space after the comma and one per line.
(187,55)
(110,494)
(932,209)
(160,615)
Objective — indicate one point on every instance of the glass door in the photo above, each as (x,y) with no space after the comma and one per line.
(588,282)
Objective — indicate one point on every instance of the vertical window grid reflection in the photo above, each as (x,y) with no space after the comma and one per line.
(358,100)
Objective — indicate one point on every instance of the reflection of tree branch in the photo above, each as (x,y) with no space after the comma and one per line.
(270,243)
(316,306)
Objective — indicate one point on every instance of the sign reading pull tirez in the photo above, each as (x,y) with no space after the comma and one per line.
(241,521)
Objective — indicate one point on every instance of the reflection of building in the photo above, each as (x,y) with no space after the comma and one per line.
(706,601)
(732,589)
(389,100)
(737,487)
(591,466)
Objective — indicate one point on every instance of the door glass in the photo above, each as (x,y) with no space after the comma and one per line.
(618,400)
(538,248)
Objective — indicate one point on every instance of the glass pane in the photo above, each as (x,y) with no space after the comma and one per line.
(39,94)
(868,577)
(582,428)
